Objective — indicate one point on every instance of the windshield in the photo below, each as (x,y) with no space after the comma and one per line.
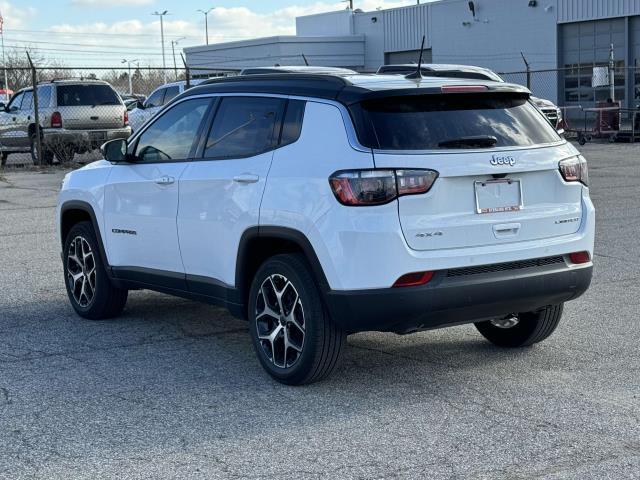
(426,122)
(83,95)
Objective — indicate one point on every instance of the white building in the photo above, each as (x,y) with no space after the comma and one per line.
(571,35)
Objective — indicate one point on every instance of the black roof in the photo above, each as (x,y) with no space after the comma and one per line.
(346,89)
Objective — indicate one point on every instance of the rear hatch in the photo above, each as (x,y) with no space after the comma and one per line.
(89,106)
(497,160)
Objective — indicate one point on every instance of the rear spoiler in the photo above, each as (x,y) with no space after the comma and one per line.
(456,88)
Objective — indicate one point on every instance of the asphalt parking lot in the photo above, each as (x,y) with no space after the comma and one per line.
(172,388)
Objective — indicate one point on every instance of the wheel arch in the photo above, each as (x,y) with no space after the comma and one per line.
(259,243)
(75,211)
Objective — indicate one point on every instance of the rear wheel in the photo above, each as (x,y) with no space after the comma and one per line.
(47,155)
(89,289)
(293,336)
(523,329)
(3,158)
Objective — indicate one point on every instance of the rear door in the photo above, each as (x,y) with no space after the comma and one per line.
(497,159)
(220,194)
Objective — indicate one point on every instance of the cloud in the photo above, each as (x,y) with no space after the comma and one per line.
(15,17)
(141,38)
(225,24)
(111,3)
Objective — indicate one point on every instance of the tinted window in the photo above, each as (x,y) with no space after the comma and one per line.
(27,100)
(156,98)
(292,123)
(243,127)
(81,95)
(425,122)
(172,135)
(16,101)
(44,97)
(170,93)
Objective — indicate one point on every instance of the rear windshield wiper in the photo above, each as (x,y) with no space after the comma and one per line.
(480,141)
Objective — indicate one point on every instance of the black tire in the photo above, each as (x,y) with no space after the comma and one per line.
(533,327)
(3,158)
(47,155)
(106,300)
(322,340)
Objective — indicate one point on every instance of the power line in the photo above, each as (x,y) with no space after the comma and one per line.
(29,42)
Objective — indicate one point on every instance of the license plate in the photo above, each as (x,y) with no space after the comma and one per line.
(97,136)
(502,195)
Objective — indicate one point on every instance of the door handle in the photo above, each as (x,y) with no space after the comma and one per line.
(165,180)
(506,230)
(246,178)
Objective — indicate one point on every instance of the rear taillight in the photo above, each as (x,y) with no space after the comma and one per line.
(579,257)
(126,118)
(56,120)
(413,279)
(575,170)
(377,187)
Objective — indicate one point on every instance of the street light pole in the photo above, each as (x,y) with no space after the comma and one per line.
(129,62)
(164,62)
(206,23)
(173,51)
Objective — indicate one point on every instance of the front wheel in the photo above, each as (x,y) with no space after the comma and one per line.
(89,289)
(523,329)
(293,336)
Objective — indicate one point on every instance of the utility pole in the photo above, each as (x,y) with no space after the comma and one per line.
(612,75)
(4,64)
(206,23)
(129,62)
(173,51)
(164,62)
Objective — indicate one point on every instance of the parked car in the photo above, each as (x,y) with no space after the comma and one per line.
(132,101)
(76,116)
(162,95)
(547,107)
(319,206)
(297,69)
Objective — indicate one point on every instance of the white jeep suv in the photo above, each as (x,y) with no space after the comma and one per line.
(316,206)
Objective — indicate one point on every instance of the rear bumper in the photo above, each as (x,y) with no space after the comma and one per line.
(449,300)
(83,138)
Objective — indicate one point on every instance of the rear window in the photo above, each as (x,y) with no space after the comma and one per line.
(82,95)
(427,122)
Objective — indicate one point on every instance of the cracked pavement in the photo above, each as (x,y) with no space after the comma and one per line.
(172,389)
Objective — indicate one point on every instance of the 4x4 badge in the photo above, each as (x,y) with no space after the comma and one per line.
(503,160)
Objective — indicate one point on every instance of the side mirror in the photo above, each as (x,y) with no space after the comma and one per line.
(115,150)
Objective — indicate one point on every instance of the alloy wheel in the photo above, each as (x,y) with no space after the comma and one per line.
(509,321)
(81,271)
(280,321)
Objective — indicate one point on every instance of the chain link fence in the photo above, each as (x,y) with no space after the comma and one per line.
(78,109)
(81,108)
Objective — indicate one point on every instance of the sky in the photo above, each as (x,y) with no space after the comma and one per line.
(104,32)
